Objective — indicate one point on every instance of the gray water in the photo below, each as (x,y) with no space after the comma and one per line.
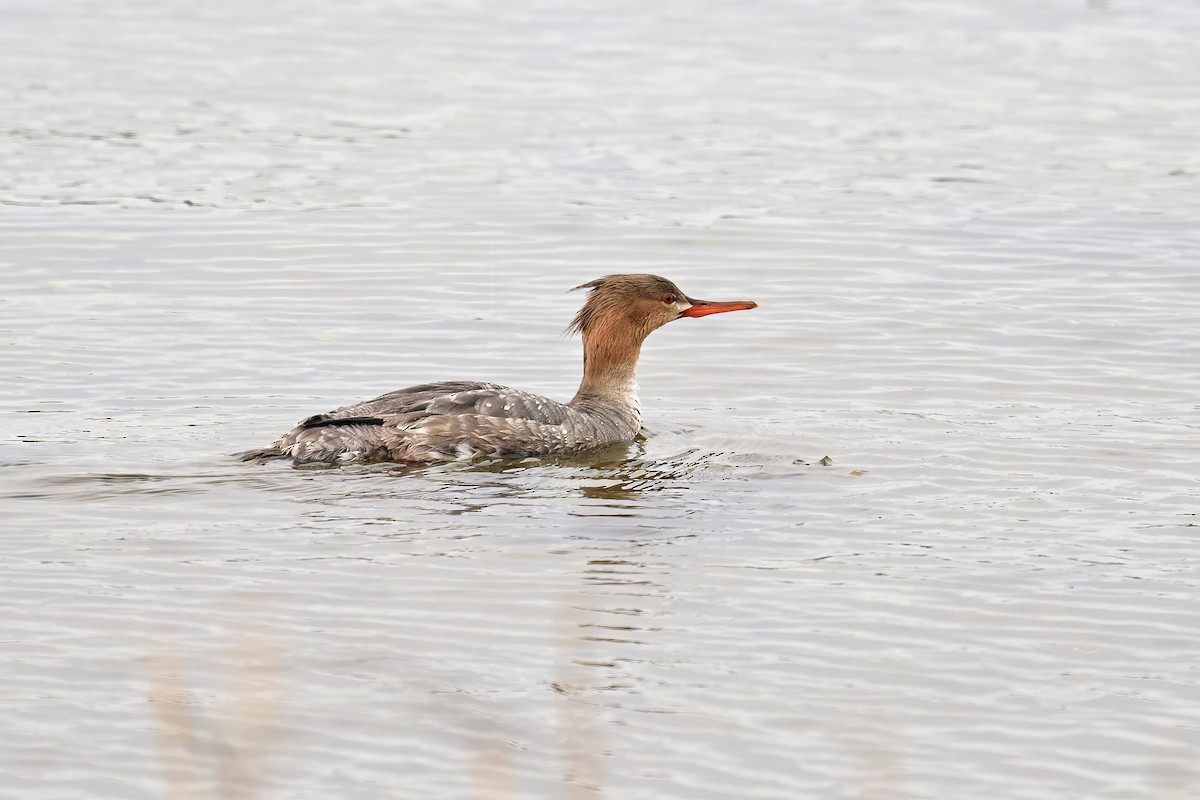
(923,525)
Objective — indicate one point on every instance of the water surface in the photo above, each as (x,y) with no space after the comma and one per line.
(922,525)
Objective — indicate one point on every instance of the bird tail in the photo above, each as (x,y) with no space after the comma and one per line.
(327,440)
(262,454)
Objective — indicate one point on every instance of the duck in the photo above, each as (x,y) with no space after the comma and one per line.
(467,420)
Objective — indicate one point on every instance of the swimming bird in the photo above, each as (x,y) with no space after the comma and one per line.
(463,420)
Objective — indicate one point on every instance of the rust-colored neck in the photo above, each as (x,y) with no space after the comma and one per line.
(610,354)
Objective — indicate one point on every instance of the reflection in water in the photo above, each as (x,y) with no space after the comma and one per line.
(620,618)
(621,485)
(222,746)
(638,476)
(616,481)
(609,572)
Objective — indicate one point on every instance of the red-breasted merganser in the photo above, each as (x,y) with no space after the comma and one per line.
(461,420)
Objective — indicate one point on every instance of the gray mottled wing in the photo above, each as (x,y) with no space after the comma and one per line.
(440,421)
(410,400)
(500,402)
(448,398)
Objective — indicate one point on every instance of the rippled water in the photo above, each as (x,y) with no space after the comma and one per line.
(922,525)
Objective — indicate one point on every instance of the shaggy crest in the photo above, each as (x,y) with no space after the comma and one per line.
(615,292)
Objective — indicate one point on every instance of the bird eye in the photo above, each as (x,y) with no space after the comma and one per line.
(670,299)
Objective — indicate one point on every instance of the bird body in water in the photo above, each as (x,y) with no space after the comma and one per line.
(463,420)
